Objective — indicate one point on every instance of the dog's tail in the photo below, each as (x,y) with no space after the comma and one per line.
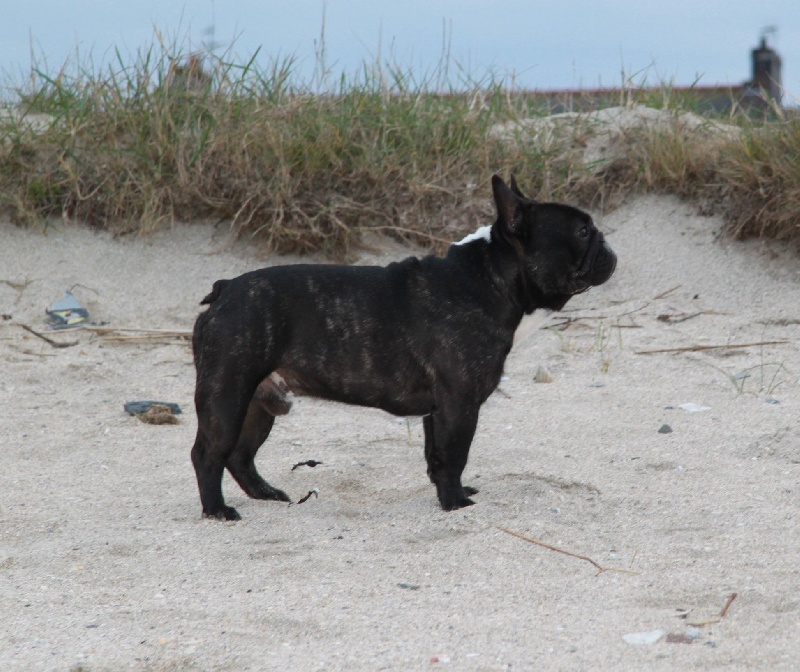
(216,290)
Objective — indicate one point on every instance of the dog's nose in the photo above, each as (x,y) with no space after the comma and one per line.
(611,259)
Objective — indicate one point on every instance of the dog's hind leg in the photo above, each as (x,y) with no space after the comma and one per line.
(448,436)
(221,412)
(241,464)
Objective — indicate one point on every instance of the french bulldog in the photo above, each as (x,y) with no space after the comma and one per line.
(420,337)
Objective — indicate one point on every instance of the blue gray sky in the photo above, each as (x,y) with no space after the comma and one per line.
(542,44)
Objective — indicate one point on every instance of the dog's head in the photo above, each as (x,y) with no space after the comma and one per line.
(560,251)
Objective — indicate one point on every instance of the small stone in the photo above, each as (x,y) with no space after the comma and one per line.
(542,375)
(772,400)
(598,384)
(665,429)
(409,586)
(694,408)
(678,638)
(637,638)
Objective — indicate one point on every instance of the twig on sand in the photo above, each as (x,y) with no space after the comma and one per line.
(700,348)
(122,334)
(600,568)
(307,463)
(55,344)
(669,291)
(572,320)
(675,319)
(721,616)
(148,337)
(313,491)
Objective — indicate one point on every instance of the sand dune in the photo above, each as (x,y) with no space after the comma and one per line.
(106,563)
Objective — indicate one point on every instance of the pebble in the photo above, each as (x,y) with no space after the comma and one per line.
(678,638)
(694,408)
(542,375)
(665,429)
(637,638)
(408,586)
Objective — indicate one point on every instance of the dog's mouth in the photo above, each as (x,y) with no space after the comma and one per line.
(597,265)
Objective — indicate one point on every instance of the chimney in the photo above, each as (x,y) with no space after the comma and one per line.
(767,71)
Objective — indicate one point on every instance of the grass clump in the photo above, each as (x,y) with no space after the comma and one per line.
(305,168)
(141,145)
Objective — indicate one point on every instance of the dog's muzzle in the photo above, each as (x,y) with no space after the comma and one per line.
(599,263)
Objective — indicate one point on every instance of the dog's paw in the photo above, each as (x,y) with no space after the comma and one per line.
(266,491)
(279,496)
(454,497)
(226,513)
(468,491)
(460,503)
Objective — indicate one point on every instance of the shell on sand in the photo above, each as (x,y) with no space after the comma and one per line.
(542,375)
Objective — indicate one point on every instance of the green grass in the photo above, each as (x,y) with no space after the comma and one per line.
(135,147)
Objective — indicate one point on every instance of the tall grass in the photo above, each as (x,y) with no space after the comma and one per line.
(146,142)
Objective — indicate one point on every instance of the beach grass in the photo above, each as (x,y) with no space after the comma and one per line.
(310,167)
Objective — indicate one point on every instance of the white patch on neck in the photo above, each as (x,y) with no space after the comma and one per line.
(531,323)
(484,233)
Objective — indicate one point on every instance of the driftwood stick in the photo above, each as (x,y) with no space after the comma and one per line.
(147,337)
(55,344)
(700,348)
(600,568)
(109,330)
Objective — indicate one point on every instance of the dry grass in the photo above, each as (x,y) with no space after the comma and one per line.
(142,144)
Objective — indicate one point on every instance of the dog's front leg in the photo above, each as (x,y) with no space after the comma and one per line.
(448,436)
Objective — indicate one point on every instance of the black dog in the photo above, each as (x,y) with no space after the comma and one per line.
(424,337)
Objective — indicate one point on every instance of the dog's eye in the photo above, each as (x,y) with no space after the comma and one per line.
(583,232)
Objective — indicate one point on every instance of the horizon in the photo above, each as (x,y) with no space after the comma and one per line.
(570,46)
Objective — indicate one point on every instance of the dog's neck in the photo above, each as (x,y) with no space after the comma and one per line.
(497,270)
(483,233)
(505,270)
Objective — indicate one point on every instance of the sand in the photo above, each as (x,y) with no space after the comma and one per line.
(106,563)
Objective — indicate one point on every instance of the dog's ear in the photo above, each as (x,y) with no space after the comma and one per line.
(509,208)
(515,188)
(517,191)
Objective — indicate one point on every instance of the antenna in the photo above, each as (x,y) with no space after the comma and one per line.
(768,31)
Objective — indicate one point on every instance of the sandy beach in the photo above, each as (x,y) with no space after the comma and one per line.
(681,468)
